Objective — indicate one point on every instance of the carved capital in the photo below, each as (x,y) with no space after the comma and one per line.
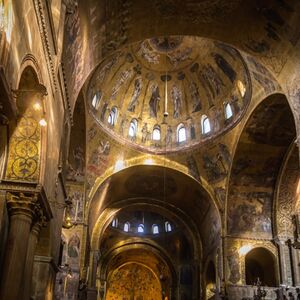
(280,241)
(39,219)
(21,204)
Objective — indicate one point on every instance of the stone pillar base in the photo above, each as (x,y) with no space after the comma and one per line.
(44,271)
(91,294)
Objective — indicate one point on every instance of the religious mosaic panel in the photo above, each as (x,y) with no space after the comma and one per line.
(24,150)
(133,281)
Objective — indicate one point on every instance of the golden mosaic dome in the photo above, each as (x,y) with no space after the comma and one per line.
(170,93)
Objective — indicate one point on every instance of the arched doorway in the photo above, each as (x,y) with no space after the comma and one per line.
(260,264)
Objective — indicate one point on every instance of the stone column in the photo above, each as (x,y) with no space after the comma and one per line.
(296,271)
(285,263)
(20,208)
(92,290)
(43,280)
(32,243)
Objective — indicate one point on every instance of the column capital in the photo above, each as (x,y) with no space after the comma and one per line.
(21,204)
(280,240)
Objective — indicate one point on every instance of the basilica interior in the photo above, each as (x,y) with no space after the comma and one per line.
(149,150)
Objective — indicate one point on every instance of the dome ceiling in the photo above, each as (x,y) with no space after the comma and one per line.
(201,85)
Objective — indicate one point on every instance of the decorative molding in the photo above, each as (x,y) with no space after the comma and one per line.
(47,260)
(42,24)
(62,74)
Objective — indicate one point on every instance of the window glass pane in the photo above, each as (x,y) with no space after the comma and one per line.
(168,227)
(156,134)
(112,116)
(181,135)
(132,128)
(96,100)
(126,227)
(155,229)
(141,228)
(206,126)
(228,111)
(114,223)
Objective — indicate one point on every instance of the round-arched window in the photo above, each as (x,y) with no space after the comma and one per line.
(181,133)
(228,111)
(156,133)
(155,229)
(114,222)
(141,228)
(168,227)
(96,100)
(205,124)
(133,128)
(126,227)
(112,118)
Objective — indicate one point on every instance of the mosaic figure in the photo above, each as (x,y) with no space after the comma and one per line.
(154,101)
(135,95)
(74,246)
(145,133)
(193,131)
(148,54)
(195,97)
(193,168)
(176,95)
(169,135)
(179,56)
(225,67)
(124,76)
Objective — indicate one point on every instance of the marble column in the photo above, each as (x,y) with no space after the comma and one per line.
(32,243)
(296,270)
(20,208)
(285,263)
(92,290)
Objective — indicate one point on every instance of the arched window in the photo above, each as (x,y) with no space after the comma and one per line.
(126,227)
(241,88)
(168,227)
(132,128)
(114,222)
(260,263)
(181,133)
(112,116)
(228,111)
(155,229)
(156,133)
(96,100)
(205,124)
(141,228)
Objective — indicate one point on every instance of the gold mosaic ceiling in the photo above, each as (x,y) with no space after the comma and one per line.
(202,85)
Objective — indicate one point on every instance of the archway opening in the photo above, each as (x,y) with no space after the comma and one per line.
(260,264)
